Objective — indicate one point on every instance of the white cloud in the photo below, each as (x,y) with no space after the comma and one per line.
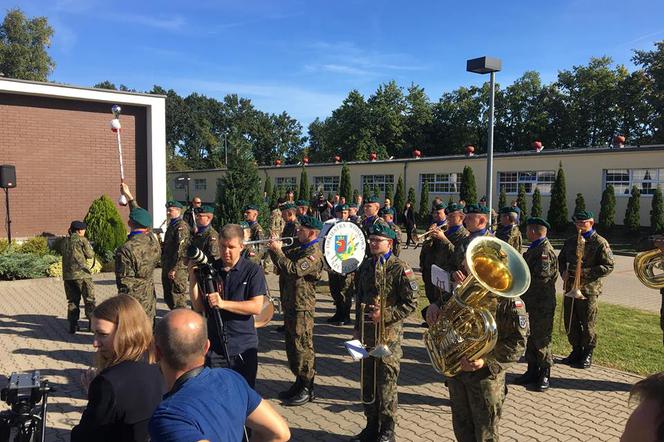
(174,23)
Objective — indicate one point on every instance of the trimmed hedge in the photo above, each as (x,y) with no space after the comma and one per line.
(16,265)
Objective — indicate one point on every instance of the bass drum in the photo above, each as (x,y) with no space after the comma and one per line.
(343,244)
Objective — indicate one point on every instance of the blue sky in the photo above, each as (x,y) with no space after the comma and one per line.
(304,56)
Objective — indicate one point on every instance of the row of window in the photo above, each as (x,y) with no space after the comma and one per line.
(622,180)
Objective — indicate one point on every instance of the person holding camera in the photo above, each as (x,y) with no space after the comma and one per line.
(125,388)
(240,287)
(76,250)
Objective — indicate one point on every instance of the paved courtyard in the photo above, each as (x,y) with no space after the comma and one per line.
(582,405)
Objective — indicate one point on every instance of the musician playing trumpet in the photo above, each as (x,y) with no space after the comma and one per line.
(382,274)
(429,245)
(580,315)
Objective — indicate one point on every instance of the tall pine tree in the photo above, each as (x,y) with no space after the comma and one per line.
(355,195)
(388,192)
(105,229)
(536,210)
(425,211)
(579,203)
(412,198)
(303,193)
(502,199)
(522,204)
(468,191)
(345,187)
(399,196)
(558,215)
(238,188)
(366,192)
(607,210)
(267,189)
(633,212)
(657,212)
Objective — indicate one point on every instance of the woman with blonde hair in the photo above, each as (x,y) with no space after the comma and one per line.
(125,388)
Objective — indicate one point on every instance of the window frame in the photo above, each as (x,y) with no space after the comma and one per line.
(631,181)
(457,184)
(532,179)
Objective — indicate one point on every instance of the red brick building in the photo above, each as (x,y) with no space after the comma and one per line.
(59,139)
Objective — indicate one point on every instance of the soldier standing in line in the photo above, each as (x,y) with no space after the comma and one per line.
(540,300)
(387,213)
(597,263)
(302,207)
(76,250)
(174,276)
(400,289)
(341,286)
(137,258)
(300,268)
(291,225)
(352,214)
(509,227)
(276,221)
(477,222)
(371,208)
(255,252)
(189,215)
(206,238)
(439,220)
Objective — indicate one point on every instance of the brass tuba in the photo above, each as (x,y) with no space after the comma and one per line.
(466,327)
(645,264)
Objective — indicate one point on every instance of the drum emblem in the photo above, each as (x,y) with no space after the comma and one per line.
(344,247)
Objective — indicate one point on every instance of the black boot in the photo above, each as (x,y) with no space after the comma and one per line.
(586,359)
(574,356)
(334,318)
(369,434)
(529,376)
(304,395)
(543,381)
(73,326)
(387,433)
(344,317)
(292,390)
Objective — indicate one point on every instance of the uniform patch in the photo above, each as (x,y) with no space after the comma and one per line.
(518,303)
(312,257)
(545,257)
(413,285)
(408,272)
(304,265)
(212,238)
(523,321)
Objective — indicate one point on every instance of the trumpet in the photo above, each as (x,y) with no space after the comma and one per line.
(422,237)
(287,240)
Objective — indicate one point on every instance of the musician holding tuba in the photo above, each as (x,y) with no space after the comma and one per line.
(386,287)
(477,390)
(649,267)
(597,262)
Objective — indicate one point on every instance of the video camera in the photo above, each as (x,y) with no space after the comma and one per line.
(206,273)
(23,392)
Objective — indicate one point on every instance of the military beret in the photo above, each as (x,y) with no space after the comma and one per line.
(583,215)
(302,203)
(483,199)
(386,211)
(379,229)
(140,216)
(341,207)
(509,209)
(371,199)
(204,209)
(287,206)
(78,225)
(453,207)
(174,203)
(536,220)
(310,222)
(244,225)
(440,206)
(250,207)
(476,208)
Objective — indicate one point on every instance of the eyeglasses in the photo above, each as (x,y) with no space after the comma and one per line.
(377,240)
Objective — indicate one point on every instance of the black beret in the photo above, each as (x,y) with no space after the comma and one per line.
(380,229)
(78,225)
(310,222)
(476,208)
(536,220)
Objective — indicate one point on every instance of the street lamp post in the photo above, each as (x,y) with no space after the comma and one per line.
(488,65)
(185,179)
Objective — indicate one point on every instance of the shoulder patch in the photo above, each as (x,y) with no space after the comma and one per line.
(312,257)
(518,303)
(408,272)
(523,321)
(545,257)
(304,265)
(413,285)
(213,238)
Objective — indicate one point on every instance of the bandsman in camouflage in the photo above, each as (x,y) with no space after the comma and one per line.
(383,274)
(291,224)
(302,207)
(477,222)
(76,250)
(255,252)
(597,263)
(387,214)
(276,220)
(206,238)
(649,243)
(540,299)
(341,286)
(371,215)
(429,245)
(174,275)
(509,227)
(137,258)
(300,268)
(352,214)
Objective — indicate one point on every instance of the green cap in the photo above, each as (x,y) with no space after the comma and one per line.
(244,225)
(509,209)
(536,220)
(386,211)
(302,203)
(453,207)
(440,206)
(287,206)
(371,199)
(250,207)
(476,208)
(173,203)
(310,222)
(583,215)
(204,209)
(140,216)
(341,207)
(383,230)
(352,206)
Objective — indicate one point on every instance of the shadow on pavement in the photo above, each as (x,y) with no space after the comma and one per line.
(300,434)
(585,384)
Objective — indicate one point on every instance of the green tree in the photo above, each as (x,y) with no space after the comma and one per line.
(105,227)
(411,197)
(425,210)
(502,199)
(388,192)
(303,193)
(579,203)
(633,212)
(657,212)
(107,85)
(267,189)
(23,45)
(345,187)
(468,191)
(237,188)
(607,211)
(355,195)
(536,210)
(652,63)
(558,215)
(274,197)
(366,192)
(522,203)
(399,196)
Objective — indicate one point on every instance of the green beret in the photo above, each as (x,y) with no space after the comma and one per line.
(287,206)
(536,220)
(250,207)
(244,225)
(583,215)
(173,203)
(353,206)
(341,207)
(386,211)
(440,206)
(453,207)
(204,209)
(509,209)
(371,199)
(476,208)
(302,203)
(310,222)
(140,216)
(379,229)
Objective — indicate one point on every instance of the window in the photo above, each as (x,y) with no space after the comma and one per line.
(178,184)
(542,180)
(289,183)
(441,182)
(327,183)
(377,182)
(622,180)
(200,184)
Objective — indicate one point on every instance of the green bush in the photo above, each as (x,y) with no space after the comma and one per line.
(607,211)
(468,191)
(55,269)
(4,245)
(557,215)
(105,228)
(536,210)
(14,265)
(37,246)
(632,214)
(657,212)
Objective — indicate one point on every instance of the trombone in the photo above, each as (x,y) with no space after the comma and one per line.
(287,240)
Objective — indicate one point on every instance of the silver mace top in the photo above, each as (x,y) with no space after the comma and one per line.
(116,110)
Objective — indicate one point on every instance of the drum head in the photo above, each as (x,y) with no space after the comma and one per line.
(265,316)
(344,246)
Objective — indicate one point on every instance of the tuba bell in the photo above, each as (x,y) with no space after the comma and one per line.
(645,264)
(466,327)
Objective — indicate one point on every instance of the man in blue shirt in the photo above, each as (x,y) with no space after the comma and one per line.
(241,287)
(204,403)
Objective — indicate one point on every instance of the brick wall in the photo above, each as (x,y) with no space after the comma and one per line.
(66,156)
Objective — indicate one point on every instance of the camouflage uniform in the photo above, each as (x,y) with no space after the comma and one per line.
(597,263)
(396,244)
(176,241)
(511,235)
(540,299)
(459,256)
(77,277)
(255,253)
(299,269)
(477,397)
(276,222)
(400,301)
(207,241)
(440,253)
